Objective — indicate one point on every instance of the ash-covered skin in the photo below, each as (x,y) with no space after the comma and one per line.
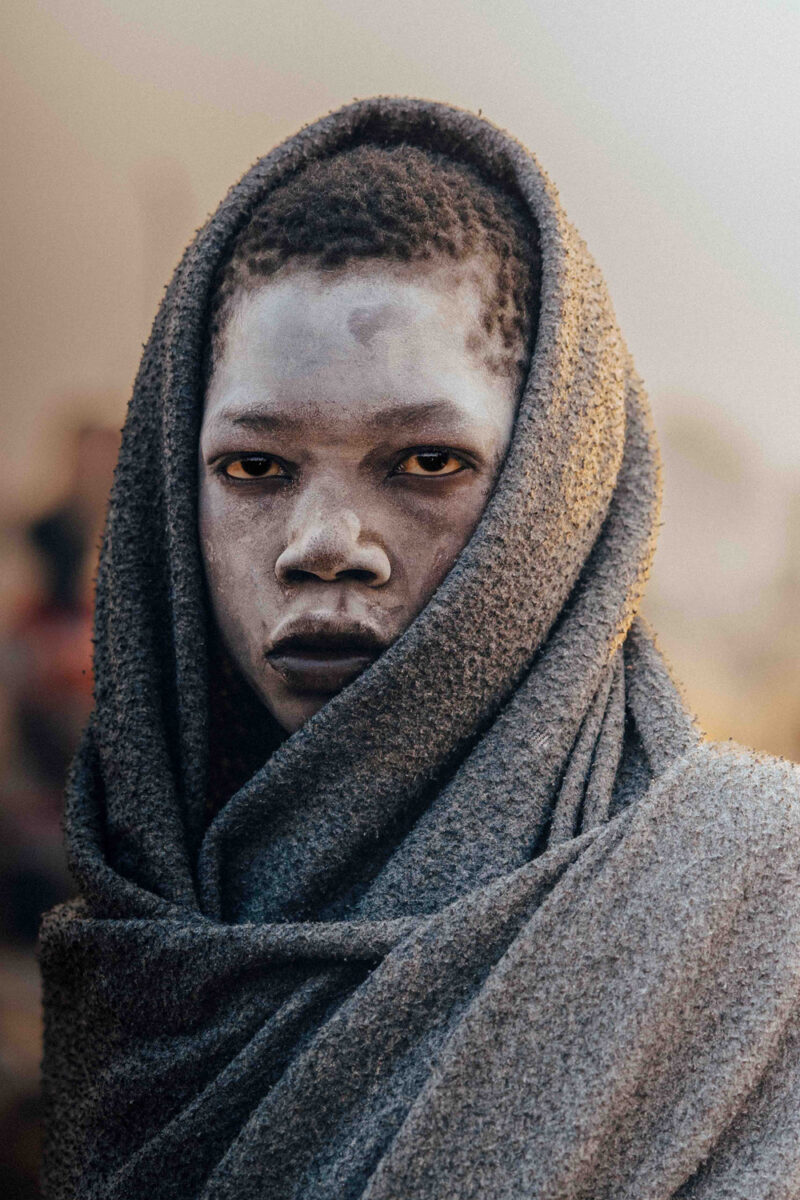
(316,516)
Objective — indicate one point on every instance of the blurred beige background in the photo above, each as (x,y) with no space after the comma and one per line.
(671,131)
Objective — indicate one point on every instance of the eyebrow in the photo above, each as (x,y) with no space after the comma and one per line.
(399,415)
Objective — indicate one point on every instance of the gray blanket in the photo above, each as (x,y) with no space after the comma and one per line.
(496,922)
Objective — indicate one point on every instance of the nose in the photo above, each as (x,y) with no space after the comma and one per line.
(330,545)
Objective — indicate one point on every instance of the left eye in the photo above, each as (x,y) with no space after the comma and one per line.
(430,462)
(255,466)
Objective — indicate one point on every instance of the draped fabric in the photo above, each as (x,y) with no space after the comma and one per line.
(496,921)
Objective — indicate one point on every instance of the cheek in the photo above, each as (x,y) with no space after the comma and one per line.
(430,532)
(239,553)
(222,530)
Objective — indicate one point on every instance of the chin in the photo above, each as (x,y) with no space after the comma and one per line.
(292,709)
(302,676)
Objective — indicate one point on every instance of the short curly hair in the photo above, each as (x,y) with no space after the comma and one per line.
(400,203)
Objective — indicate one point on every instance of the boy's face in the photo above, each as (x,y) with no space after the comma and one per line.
(351,435)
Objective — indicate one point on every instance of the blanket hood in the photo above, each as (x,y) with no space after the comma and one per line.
(541,598)
(493,923)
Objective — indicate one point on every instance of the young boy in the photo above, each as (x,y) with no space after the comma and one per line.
(404,871)
(370,331)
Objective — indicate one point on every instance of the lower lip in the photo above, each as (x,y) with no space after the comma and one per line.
(318,671)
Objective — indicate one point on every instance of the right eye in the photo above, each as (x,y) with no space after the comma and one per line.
(254,466)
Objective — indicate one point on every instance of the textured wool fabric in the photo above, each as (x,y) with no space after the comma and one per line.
(496,922)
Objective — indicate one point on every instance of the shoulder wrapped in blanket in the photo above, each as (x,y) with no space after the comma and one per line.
(496,922)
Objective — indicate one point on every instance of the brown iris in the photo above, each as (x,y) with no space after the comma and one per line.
(430,462)
(255,466)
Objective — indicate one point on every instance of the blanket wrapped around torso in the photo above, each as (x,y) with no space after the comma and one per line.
(496,922)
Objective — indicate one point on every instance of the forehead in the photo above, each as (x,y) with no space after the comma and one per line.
(349,341)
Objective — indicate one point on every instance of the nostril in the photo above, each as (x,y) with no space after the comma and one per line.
(355,573)
(298,575)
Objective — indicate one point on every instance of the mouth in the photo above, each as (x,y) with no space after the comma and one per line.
(320,660)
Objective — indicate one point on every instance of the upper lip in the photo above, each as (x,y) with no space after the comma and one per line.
(335,636)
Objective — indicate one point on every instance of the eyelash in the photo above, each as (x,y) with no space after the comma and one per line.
(222,467)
